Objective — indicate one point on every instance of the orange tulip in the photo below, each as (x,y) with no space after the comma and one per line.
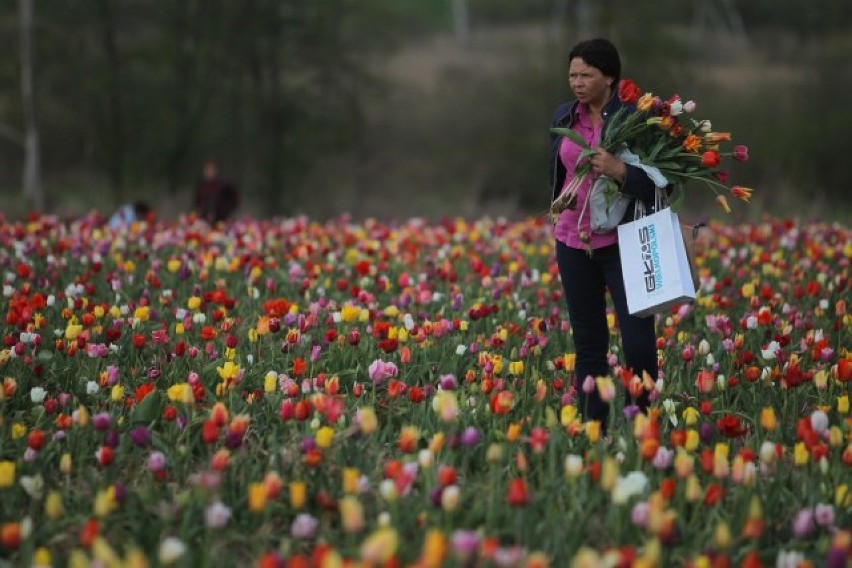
(741,192)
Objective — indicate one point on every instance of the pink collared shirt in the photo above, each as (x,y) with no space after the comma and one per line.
(567,229)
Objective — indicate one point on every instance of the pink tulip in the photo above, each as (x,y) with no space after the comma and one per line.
(741,153)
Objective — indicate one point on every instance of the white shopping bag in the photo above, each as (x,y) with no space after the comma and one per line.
(654,263)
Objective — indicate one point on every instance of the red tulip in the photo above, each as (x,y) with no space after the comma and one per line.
(844,369)
(731,426)
(713,494)
(518,494)
(105,455)
(628,92)
(209,432)
(35,440)
(416,394)
(710,158)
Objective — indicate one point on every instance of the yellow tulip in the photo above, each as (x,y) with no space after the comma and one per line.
(692,440)
(722,535)
(568,414)
(434,549)
(368,422)
(324,437)
(380,546)
(693,489)
(53,507)
(105,502)
(351,480)
(609,473)
(298,494)
(350,313)
(7,474)
(270,382)
(180,392)
(767,418)
(513,432)
(494,453)
(41,557)
(351,514)
(842,496)
(256,496)
(142,313)
(117,393)
(72,331)
(800,454)
(65,463)
(593,430)
(103,553)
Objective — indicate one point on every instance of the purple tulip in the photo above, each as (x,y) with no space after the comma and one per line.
(448,382)
(435,496)
(101,421)
(470,437)
(140,436)
(233,440)
(308,443)
(705,432)
(803,523)
(111,439)
(631,411)
(464,544)
(156,462)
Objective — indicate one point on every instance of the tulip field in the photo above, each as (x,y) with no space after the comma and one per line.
(289,392)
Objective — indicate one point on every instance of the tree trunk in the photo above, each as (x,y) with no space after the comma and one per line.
(558,19)
(584,15)
(461,22)
(33,194)
(115,122)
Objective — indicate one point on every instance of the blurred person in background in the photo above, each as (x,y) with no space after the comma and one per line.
(129,213)
(216,199)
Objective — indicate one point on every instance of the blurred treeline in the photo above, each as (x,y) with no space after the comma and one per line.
(402,107)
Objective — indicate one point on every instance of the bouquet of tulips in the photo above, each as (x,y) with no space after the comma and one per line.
(664,135)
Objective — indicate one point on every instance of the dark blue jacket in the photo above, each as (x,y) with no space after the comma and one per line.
(636,183)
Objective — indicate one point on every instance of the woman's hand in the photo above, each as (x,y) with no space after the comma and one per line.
(605,164)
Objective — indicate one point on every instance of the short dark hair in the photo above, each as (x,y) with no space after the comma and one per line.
(601,54)
(141,208)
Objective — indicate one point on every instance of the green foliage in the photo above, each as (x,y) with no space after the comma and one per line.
(806,18)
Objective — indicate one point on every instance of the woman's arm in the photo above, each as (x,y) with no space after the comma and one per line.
(631,180)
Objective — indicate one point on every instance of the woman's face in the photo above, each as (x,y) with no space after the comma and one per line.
(589,85)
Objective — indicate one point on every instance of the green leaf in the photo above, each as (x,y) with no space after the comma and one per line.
(677,198)
(668,165)
(573,136)
(657,148)
(148,410)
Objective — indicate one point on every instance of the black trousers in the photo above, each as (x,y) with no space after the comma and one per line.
(585,280)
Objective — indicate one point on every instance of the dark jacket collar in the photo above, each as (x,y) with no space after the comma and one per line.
(567,116)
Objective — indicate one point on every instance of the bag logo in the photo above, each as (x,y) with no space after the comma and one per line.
(652,271)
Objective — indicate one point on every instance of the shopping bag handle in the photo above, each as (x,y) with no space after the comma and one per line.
(660,201)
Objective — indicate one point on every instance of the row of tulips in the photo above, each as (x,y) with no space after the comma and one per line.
(286,392)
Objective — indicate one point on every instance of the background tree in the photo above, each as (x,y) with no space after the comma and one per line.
(32,157)
(387,108)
